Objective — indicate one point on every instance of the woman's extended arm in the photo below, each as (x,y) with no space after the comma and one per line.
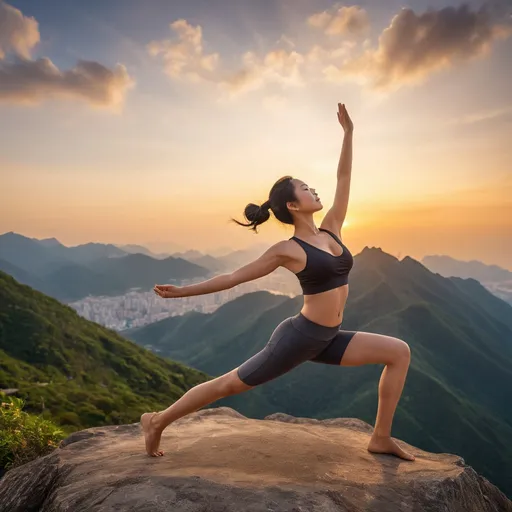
(215,284)
(265,264)
(345,162)
(335,217)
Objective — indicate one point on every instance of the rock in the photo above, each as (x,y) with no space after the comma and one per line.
(219,460)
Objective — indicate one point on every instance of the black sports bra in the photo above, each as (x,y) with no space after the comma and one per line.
(323,271)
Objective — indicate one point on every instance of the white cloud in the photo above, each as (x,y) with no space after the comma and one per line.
(277,66)
(18,33)
(185,58)
(352,20)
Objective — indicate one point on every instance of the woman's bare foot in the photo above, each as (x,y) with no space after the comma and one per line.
(151,434)
(384,444)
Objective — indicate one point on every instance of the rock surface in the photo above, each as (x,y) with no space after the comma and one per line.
(217,460)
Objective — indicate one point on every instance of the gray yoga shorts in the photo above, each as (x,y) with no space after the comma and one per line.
(294,341)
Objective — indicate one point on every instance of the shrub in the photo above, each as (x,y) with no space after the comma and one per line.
(24,436)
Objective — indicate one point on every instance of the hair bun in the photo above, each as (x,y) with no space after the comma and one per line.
(265,205)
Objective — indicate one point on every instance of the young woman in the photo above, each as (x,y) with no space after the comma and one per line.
(321,262)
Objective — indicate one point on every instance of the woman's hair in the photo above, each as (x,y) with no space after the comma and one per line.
(281,192)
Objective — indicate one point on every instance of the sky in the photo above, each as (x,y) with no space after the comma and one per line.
(155,122)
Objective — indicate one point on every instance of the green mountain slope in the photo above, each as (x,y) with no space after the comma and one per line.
(77,371)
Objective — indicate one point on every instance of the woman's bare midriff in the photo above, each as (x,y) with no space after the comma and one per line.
(326,308)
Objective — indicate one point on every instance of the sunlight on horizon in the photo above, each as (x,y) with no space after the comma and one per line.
(166,133)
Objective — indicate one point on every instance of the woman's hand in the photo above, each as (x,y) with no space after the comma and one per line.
(168,291)
(344,118)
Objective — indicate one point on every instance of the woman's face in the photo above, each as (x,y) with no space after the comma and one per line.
(307,197)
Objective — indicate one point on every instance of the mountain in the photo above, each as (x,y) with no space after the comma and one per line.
(225,262)
(43,256)
(239,258)
(48,242)
(115,276)
(91,252)
(496,279)
(73,282)
(211,263)
(459,387)
(204,260)
(80,254)
(30,255)
(72,273)
(76,371)
(134,249)
(220,251)
(448,266)
(26,277)
(140,270)
(188,255)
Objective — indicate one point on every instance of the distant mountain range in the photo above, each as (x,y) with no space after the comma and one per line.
(496,279)
(459,388)
(475,269)
(140,249)
(75,371)
(71,273)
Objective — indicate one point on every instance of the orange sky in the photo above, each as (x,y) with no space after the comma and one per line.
(174,128)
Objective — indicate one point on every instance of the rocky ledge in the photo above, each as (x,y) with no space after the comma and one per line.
(219,460)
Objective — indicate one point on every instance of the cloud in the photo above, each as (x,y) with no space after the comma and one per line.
(320,54)
(410,49)
(18,34)
(27,81)
(351,20)
(185,57)
(414,45)
(277,66)
(30,82)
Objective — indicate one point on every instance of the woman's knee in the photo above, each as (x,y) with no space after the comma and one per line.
(373,348)
(231,384)
(403,351)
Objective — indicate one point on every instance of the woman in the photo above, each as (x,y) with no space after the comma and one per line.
(322,263)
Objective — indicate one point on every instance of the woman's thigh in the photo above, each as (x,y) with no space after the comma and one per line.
(286,349)
(374,348)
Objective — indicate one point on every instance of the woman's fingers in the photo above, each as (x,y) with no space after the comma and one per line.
(164,293)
